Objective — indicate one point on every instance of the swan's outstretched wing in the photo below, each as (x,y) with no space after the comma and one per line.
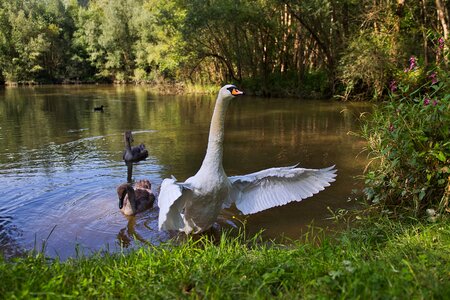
(171,204)
(278,186)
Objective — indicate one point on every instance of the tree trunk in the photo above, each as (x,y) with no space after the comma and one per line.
(443,17)
(442,13)
(323,45)
(424,32)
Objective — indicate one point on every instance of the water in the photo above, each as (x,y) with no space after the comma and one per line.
(60,162)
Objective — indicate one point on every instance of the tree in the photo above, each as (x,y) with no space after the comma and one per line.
(35,39)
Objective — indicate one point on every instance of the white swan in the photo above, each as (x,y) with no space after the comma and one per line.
(194,205)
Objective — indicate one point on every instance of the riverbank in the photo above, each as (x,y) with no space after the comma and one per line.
(179,88)
(377,258)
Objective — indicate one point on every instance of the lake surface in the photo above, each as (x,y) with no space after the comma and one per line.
(60,162)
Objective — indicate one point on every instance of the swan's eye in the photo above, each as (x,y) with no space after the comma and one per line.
(231,89)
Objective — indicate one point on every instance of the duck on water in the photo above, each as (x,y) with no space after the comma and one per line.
(99,108)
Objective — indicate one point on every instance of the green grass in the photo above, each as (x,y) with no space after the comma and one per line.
(380,258)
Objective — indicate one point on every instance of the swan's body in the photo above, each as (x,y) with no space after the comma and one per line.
(132,154)
(194,205)
(132,201)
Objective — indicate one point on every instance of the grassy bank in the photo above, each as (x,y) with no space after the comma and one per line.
(380,259)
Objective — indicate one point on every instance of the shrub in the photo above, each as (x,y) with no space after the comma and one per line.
(365,65)
(409,142)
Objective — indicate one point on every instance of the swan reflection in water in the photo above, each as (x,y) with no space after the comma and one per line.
(129,233)
(142,229)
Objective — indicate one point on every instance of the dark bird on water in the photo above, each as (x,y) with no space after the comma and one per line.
(132,154)
(135,153)
(99,108)
(137,199)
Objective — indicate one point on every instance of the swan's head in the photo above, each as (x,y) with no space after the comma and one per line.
(122,191)
(229,91)
(129,136)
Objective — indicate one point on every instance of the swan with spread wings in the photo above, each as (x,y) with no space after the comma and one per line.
(193,206)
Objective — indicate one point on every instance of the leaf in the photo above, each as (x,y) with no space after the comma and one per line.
(422,194)
(441,156)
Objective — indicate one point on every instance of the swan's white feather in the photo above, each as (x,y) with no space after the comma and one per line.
(272,187)
(171,204)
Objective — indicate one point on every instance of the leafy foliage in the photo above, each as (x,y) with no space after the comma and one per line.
(273,47)
(35,40)
(389,31)
(366,66)
(409,142)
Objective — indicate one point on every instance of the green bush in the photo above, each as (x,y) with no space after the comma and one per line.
(366,64)
(409,142)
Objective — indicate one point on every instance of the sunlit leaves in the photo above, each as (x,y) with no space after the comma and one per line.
(36,40)
(130,40)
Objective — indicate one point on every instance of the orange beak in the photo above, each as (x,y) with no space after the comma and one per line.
(236,92)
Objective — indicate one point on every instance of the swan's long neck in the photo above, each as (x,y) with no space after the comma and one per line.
(127,142)
(132,199)
(214,152)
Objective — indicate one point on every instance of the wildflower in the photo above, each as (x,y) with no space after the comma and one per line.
(426,101)
(393,86)
(412,64)
(391,127)
(433,77)
(441,42)
(435,102)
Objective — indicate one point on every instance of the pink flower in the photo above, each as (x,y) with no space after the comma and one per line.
(441,42)
(412,64)
(391,127)
(433,77)
(435,102)
(426,101)
(393,86)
